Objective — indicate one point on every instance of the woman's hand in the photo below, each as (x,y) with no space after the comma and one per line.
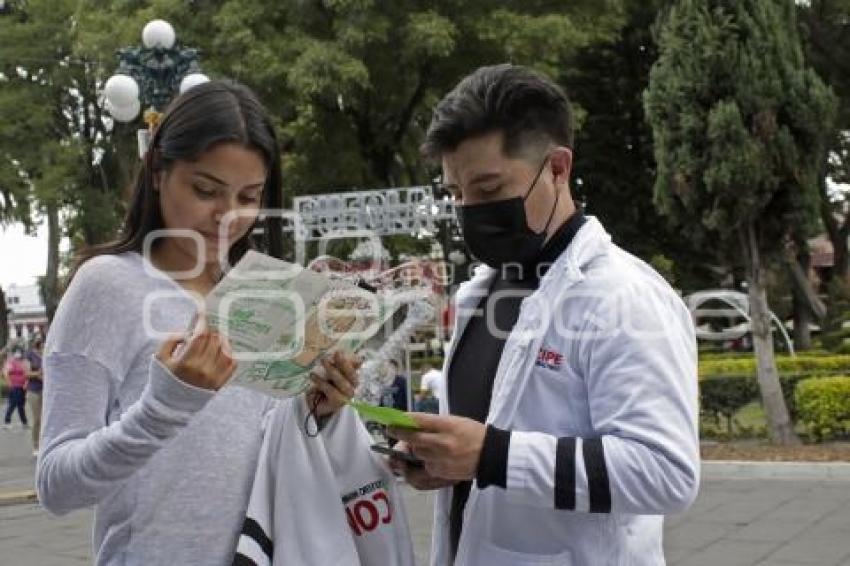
(203,360)
(336,387)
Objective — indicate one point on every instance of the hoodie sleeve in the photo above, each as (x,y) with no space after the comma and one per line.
(82,460)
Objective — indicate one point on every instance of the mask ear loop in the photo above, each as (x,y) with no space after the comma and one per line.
(557,196)
(552,214)
(536,178)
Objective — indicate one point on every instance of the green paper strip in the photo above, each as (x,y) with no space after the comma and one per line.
(384,415)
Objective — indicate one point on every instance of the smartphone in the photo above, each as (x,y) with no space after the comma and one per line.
(398,454)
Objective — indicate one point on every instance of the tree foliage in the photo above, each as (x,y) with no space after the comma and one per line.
(740,126)
(739,121)
(350,83)
(614,162)
(825,28)
(56,144)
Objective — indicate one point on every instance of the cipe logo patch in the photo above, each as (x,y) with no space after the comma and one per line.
(368,507)
(549,359)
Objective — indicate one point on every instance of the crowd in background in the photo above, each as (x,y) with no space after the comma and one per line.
(22,381)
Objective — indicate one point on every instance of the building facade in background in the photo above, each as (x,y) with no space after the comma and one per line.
(27,314)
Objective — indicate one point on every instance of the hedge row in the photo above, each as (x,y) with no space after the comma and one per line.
(731,355)
(823,405)
(724,395)
(812,364)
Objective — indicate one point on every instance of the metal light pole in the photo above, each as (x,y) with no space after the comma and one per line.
(151,76)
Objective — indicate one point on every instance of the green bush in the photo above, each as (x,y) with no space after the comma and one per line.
(844,347)
(722,396)
(811,364)
(824,406)
(733,355)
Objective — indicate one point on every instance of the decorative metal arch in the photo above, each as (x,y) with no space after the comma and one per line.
(739,304)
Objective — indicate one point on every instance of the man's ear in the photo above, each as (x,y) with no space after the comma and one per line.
(561,158)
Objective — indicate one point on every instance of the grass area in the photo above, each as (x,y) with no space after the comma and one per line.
(763,451)
(749,422)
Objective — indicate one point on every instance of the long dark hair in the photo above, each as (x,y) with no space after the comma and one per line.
(207,114)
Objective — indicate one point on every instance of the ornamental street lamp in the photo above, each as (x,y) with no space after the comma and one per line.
(151,75)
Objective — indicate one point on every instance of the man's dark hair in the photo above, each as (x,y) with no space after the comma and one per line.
(528,107)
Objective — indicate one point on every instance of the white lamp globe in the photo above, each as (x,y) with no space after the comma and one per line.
(121,90)
(158,33)
(192,80)
(125,113)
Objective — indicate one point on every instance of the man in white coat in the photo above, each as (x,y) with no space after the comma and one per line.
(568,427)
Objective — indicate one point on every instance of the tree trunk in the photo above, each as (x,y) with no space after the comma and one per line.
(802,310)
(50,289)
(779,425)
(841,254)
(4,320)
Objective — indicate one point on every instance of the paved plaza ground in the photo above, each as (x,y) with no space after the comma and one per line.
(735,522)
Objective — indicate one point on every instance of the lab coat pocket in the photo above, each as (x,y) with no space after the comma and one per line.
(492,555)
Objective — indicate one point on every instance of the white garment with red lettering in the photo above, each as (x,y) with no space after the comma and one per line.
(597,383)
(323,501)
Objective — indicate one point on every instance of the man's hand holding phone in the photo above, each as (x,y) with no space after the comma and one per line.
(414,473)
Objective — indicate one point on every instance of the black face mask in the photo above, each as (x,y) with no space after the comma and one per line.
(497,233)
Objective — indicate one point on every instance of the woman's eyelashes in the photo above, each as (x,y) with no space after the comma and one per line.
(204,192)
(207,193)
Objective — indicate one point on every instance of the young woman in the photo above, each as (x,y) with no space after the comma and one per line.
(147,429)
(15,374)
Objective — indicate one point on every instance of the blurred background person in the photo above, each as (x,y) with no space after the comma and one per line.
(425,402)
(34,386)
(15,373)
(432,379)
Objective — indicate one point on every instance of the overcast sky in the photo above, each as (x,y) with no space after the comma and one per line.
(22,258)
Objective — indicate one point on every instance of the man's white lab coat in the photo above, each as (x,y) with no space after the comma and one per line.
(597,382)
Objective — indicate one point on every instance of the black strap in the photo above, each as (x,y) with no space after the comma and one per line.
(242,560)
(565,474)
(598,487)
(313,414)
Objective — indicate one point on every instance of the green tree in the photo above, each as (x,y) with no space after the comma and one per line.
(352,83)
(738,122)
(58,152)
(826,32)
(614,163)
